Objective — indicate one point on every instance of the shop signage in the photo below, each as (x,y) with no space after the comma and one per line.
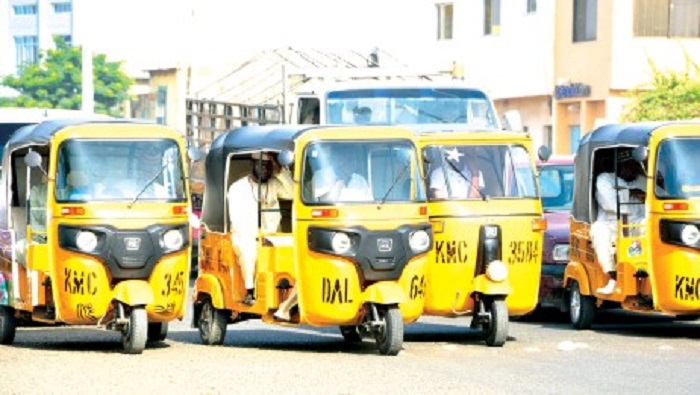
(572,90)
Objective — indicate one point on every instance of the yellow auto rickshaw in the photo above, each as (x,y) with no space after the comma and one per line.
(351,243)
(654,240)
(94,228)
(487,223)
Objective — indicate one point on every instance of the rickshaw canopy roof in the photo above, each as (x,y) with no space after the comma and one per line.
(629,135)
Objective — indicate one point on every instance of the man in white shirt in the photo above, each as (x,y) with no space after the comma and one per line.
(455,185)
(631,189)
(265,185)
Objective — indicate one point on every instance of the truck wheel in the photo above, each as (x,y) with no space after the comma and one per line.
(389,335)
(350,334)
(581,308)
(8,325)
(212,324)
(135,332)
(496,329)
(157,331)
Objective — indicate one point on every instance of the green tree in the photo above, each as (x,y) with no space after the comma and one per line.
(674,95)
(55,82)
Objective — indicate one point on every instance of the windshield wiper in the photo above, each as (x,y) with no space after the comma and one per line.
(148,184)
(471,184)
(391,188)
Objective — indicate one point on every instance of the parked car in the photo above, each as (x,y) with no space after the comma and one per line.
(556,187)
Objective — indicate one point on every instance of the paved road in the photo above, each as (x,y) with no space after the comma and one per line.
(623,354)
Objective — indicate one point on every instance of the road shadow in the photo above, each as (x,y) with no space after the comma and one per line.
(623,322)
(73,339)
(458,332)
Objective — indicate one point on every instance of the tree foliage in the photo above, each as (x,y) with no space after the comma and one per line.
(55,82)
(674,95)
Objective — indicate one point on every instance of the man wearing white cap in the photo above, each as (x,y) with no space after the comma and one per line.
(267,183)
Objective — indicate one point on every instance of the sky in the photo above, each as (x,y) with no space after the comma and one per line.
(154,32)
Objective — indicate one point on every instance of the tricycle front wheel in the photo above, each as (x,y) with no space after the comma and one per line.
(212,324)
(135,333)
(389,334)
(496,329)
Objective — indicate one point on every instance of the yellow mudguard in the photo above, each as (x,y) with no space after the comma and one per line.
(208,284)
(133,293)
(385,292)
(576,271)
(485,286)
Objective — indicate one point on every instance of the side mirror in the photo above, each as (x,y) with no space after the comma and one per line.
(285,158)
(640,154)
(544,153)
(195,154)
(32,159)
(431,155)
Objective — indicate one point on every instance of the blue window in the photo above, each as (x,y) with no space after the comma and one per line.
(575,137)
(25,9)
(27,49)
(62,7)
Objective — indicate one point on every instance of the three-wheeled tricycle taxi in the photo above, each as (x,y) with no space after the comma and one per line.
(635,241)
(323,226)
(487,223)
(94,228)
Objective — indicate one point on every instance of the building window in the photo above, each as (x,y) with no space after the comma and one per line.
(667,18)
(585,20)
(27,49)
(444,13)
(492,17)
(531,6)
(575,136)
(547,137)
(62,7)
(25,9)
(161,105)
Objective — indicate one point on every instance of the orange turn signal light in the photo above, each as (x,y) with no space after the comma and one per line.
(324,213)
(179,210)
(539,224)
(72,210)
(423,210)
(678,206)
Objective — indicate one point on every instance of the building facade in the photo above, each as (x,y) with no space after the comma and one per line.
(28,27)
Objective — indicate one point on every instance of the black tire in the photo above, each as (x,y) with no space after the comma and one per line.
(351,334)
(212,324)
(8,325)
(389,336)
(157,331)
(496,330)
(135,333)
(581,308)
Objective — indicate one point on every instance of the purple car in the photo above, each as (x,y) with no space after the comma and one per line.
(556,188)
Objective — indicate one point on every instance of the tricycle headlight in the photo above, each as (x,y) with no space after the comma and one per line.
(497,271)
(560,252)
(419,241)
(86,241)
(690,234)
(173,240)
(341,243)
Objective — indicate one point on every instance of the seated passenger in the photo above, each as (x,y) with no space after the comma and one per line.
(79,185)
(462,178)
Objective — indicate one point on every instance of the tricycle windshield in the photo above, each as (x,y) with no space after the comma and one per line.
(361,172)
(479,172)
(675,176)
(557,187)
(411,106)
(112,170)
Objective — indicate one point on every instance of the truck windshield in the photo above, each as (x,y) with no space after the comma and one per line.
(479,172)
(557,187)
(674,178)
(469,107)
(361,172)
(109,170)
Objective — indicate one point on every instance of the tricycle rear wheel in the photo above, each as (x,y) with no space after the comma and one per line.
(8,325)
(389,335)
(135,333)
(212,324)
(496,329)
(157,331)
(581,308)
